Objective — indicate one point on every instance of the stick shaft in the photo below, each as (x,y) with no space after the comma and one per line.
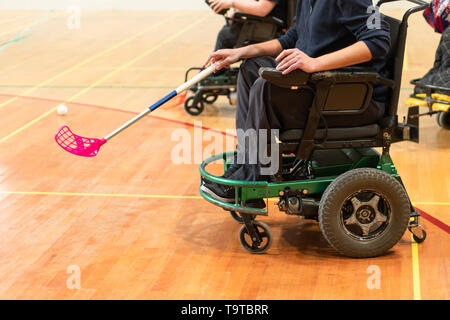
(185,86)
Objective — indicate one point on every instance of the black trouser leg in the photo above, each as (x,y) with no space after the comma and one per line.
(226,39)
(248,74)
(262,105)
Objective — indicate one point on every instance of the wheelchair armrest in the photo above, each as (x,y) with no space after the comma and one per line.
(430,88)
(296,78)
(245,17)
(353,74)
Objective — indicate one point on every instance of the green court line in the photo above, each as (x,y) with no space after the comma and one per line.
(12,86)
(15,40)
(21,36)
(7,86)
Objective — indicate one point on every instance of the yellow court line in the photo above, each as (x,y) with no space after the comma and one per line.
(2,22)
(13,20)
(14,30)
(415,269)
(140,57)
(414,245)
(82,63)
(413,203)
(431,203)
(27,125)
(106,195)
(131,195)
(24,31)
(151,68)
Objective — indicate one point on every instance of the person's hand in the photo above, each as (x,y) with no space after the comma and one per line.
(293,59)
(230,13)
(219,5)
(223,58)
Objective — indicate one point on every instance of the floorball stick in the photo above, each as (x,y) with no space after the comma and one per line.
(89,147)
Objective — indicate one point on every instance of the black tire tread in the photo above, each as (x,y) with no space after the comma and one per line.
(356,176)
(443,119)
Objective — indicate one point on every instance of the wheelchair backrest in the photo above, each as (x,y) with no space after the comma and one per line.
(253,29)
(291,12)
(394,61)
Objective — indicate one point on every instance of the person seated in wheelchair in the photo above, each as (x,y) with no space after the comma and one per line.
(229,35)
(438,16)
(327,35)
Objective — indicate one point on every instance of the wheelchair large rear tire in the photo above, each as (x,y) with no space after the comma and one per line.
(443,119)
(364,213)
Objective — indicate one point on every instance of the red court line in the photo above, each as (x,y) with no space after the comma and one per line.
(117,110)
(438,223)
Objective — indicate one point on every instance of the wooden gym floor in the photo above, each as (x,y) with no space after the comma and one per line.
(130,219)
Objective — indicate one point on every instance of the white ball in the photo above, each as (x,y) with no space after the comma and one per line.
(62,110)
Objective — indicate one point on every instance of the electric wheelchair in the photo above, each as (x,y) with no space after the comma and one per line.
(253,29)
(436,99)
(334,175)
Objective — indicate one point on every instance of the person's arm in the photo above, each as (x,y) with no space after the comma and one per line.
(257,8)
(226,57)
(371,43)
(293,59)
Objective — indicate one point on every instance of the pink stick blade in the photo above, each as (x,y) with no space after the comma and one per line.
(77,145)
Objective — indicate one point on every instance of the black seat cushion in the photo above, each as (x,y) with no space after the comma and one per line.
(368,131)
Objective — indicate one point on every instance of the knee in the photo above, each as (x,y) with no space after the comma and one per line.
(249,65)
(260,85)
(224,33)
(259,94)
(248,72)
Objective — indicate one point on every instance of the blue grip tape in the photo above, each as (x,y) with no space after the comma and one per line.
(163,100)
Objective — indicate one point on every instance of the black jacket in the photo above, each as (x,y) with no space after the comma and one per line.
(325,26)
(439,75)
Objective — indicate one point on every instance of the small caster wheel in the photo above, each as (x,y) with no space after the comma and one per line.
(253,244)
(421,238)
(443,119)
(237,217)
(193,107)
(210,99)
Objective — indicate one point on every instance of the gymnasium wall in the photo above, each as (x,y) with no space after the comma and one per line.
(104,4)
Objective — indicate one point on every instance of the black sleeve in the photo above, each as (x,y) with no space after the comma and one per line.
(359,17)
(289,39)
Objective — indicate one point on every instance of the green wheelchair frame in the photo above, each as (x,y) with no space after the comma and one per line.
(354,192)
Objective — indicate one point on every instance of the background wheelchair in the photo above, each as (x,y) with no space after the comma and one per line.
(436,99)
(253,29)
(334,175)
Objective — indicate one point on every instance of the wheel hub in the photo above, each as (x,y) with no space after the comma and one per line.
(365,215)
